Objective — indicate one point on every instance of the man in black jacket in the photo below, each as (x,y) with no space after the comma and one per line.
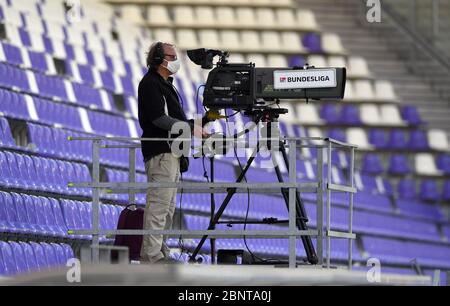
(159,110)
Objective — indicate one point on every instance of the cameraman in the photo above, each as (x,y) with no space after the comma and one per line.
(159,109)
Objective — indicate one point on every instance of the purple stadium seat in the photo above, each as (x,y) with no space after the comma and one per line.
(12,54)
(337,134)
(398,165)
(446,191)
(443,163)
(87,95)
(22,215)
(350,115)
(6,139)
(38,61)
(296,61)
(29,257)
(14,104)
(86,74)
(51,86)
(39,254)
(411,115)
(312,42)
(330,113)
(50,254)
(108,81)
(19,258)
(429,191)
(397,140)
(68,250)
(406,189)
(418,141)
(7,260)
(372,164)
(417,209)
(12,219)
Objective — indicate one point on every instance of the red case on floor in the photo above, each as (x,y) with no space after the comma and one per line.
(130,219)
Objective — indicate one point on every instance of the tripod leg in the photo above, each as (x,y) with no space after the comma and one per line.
(224,205)
(300,211)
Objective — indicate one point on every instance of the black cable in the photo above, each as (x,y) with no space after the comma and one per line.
(248,198)
(196,97)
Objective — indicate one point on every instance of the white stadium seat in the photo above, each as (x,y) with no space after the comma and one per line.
(291,42)
(258,59)
(363,90)
(250,40)
(357,67)
(209,39)
(370,114)
(306,20)
(358,137)
(229,39)
(158,15)
(286,18)
(390,115)
(184,15)
(205,15)
(425,165)
(265,17)
(186,39)
(438,140)
(236,58)
(317,61)
(331,43)
(270,40)
(291,116)
(308,114)
(132,13)
(349,94)
(385,91)
(336,61)
(164,35)
(274,60)
(245,17)
(226,16)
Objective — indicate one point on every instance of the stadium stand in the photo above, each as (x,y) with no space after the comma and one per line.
(61,78)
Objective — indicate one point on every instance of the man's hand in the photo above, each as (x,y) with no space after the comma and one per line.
(200,132)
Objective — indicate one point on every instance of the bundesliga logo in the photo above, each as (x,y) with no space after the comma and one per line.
(283,79)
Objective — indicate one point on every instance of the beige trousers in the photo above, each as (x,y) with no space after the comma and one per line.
(160,206)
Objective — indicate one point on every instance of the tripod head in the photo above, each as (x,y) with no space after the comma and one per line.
(265,114)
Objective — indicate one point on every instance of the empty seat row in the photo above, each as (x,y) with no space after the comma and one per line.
(18,258)
(249,40)
(365,91)
(6,138)
(48,217)
(398,164)
(78,216)
(44,174)
(33,50)
(397,139)
(223,16)
(54,142)
(31,215)
(403,252)
(365,114)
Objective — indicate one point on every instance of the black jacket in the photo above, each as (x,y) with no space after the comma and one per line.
(151,106)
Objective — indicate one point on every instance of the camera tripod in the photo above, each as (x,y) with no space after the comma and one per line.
(268,116)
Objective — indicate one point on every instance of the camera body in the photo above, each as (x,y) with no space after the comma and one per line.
(243,86)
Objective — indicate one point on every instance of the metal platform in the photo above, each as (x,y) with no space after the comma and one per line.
(203,275)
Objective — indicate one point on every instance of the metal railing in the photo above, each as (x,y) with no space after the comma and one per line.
(321,187)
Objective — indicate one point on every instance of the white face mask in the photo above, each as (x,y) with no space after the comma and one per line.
(173,66)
